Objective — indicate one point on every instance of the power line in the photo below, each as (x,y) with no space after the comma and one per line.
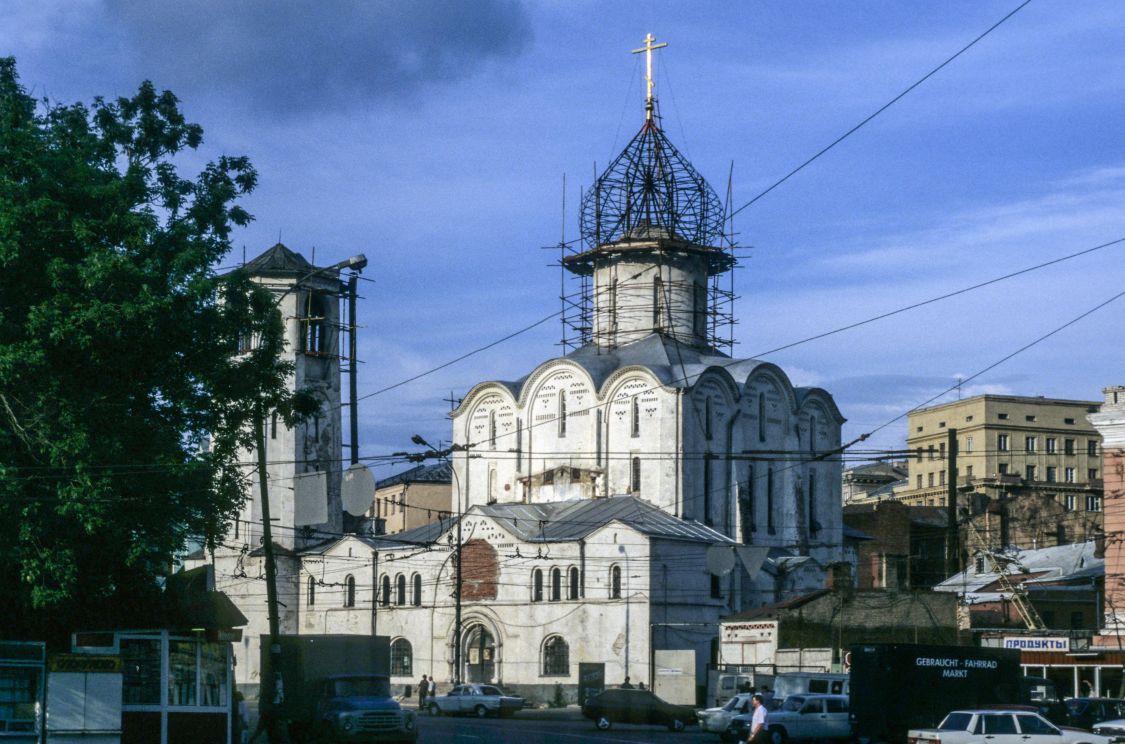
(882,108)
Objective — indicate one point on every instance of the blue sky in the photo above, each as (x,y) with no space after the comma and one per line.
(434,137)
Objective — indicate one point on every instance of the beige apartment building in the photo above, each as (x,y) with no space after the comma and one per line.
(418,496)
(1039,457)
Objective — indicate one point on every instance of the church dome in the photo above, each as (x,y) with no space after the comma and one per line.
(651,191)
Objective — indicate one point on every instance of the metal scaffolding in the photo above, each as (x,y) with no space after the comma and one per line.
(650,200)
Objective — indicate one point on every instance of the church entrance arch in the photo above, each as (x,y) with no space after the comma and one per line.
(479,653)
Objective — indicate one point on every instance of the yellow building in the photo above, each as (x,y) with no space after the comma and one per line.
(418,496)
(1007,447)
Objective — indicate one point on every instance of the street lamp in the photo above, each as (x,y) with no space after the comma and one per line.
(356,263)
(444,454)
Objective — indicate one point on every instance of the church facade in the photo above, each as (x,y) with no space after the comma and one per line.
(614,503)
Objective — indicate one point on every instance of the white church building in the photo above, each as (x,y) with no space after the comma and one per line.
(614,503)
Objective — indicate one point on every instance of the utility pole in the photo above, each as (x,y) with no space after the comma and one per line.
(353,419)
(952,542)
(444,454)
(270,676)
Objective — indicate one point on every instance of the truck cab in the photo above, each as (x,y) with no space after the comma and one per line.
(359,708)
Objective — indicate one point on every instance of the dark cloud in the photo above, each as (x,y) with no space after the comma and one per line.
(300,55)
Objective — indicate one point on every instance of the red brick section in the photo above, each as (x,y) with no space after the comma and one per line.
(1113,506)
(480,572)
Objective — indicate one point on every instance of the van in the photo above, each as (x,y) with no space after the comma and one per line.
(810,683)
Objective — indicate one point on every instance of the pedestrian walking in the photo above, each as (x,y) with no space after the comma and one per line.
(759,723)
(432,689)
(423,691)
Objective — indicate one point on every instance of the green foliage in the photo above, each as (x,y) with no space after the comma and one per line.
(117,351)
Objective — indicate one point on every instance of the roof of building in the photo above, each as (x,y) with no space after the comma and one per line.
(438,472)
(674,363)
(1071,562)
(564,521)
(1020,399)
(278,260)
(773,610)
(877,470)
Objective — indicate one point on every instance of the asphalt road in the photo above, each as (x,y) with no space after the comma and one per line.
(446,730)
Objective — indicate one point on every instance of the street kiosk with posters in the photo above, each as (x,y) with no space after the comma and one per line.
(22,670)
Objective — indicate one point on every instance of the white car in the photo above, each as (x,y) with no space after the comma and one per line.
(801,717)
(476,700)
(1114,730)
(717,720)
(1000,726)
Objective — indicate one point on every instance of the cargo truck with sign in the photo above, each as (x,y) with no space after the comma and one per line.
(898,687)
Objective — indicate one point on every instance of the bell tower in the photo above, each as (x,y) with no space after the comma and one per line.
(303,462)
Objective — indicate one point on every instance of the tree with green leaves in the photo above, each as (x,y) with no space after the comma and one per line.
(124,405)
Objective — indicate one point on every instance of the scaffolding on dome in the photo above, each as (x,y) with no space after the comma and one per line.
(650,193)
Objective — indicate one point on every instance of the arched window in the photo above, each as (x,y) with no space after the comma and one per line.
(310,592)
(573,583)
(761,417)
(400,590)
(699,309)
(416,590)
(385,598)
(657,304)
(402,658)
(556,657)
(349,591)
(314,340)
(492,429)
(537,585)
(635,415)
(556,585)
(635,476)
(615,582)
(562,413)
(812,434)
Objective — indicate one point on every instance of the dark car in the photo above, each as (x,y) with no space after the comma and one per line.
(1086,711)
(636,706)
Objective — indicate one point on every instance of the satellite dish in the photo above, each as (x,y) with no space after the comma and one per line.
(357,490)
(720,559)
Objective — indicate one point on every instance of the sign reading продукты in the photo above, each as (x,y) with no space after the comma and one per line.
(1037,643)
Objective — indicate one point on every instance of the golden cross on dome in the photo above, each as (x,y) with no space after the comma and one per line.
(647,49)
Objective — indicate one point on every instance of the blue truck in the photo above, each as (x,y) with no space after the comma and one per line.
(336,689)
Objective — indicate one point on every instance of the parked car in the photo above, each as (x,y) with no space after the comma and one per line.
(1114,729)
(1001,726)
(1085,711)
(799,717)
(635,706)
(478,700)
(717,720)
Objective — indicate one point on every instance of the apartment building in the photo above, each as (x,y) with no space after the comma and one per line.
(1042,452)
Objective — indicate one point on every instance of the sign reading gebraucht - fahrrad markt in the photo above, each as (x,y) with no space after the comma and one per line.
(1037,643)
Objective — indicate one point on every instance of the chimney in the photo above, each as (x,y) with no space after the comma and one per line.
(1099,544)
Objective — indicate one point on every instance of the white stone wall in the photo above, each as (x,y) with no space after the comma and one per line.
(664,602)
